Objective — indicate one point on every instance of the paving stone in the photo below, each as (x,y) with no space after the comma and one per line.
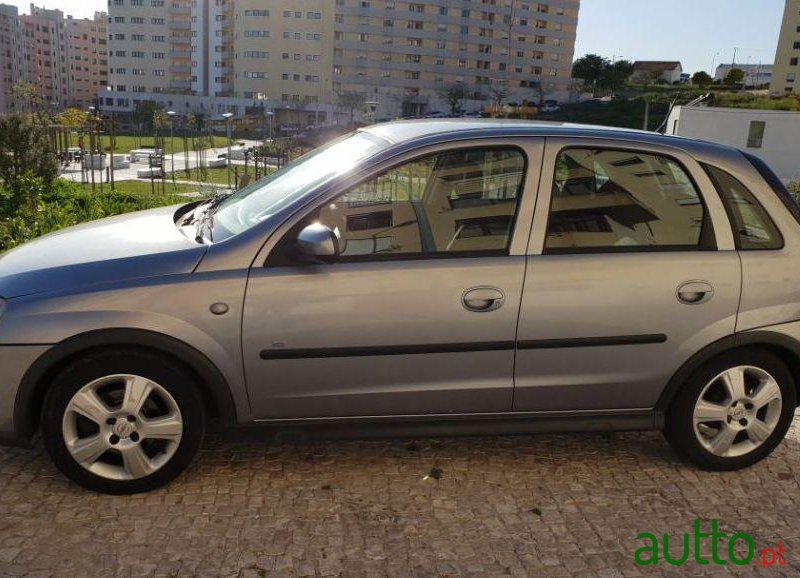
(548,505)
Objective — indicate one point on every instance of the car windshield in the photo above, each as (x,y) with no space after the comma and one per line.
(262,199)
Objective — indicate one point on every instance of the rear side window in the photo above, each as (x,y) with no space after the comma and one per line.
(753,228)
(617,201)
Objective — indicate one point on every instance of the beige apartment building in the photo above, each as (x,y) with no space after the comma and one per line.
(786,73)
(402,55)
(64,58)
(298,58)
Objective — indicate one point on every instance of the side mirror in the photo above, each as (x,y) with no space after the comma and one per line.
(318,240)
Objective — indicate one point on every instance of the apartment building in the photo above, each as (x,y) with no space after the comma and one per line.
(786,73)
(297,58)
(63,57)
(10,53)
(88,58)
(401,55)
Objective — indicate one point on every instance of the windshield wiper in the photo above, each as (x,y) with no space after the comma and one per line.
(205,219)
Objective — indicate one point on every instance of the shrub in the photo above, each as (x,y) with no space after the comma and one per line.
(794,189)
(64,204)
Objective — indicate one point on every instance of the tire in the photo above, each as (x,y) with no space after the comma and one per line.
(144,432)
(704,419)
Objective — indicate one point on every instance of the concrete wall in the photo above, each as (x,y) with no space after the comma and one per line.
(781,143)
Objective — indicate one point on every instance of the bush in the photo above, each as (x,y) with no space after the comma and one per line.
(794,190)
(64,204)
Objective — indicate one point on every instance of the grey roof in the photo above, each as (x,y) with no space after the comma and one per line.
(403,133)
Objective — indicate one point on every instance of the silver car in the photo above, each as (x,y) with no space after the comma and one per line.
(418,278)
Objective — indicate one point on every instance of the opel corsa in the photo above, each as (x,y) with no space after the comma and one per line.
(418,278)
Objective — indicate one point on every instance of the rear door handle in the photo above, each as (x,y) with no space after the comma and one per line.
(695,292)
(483,299)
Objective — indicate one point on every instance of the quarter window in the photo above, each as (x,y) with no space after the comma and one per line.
(753,227)
(451,203)
(623,201)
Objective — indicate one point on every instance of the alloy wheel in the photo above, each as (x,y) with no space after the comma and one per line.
(737,411)
(122,427)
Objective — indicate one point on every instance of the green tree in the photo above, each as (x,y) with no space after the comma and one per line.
(26,97)
(453,94)
(26,152)
(590,69)
(72,118)
(735,76)
(350,101)
(702,79)
(144,112)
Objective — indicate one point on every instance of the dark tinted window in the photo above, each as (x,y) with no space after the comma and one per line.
(752,225)
(622,200)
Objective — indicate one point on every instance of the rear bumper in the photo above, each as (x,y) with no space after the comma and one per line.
(15,360)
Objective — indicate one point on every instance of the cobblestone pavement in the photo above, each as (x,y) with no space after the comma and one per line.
(547,505)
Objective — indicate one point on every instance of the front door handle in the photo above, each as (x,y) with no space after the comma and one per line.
(695,292)
(483,299)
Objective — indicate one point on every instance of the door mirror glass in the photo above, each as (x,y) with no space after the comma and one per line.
(318,240)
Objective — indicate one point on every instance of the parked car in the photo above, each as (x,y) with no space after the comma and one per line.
(550,108)
(418,278)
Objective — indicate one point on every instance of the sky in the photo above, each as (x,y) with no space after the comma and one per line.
(699,33)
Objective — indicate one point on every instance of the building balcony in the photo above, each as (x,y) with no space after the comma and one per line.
(180,69)
(180,24)
(180,84)
(179,39)
(180,10)
(178,54)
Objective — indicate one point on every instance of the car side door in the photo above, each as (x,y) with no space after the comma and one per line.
(632,269)
(417,314)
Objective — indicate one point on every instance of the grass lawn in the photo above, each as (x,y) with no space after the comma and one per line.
(125,144)
(217,175)
(143,187)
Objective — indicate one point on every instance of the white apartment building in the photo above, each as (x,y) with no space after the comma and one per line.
(297,58)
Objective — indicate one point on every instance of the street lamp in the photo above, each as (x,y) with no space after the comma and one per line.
(372,106)
(228,116)
(171,114)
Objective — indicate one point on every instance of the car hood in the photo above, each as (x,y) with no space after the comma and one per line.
(131,246)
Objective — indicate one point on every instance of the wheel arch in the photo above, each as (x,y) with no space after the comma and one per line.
(213,386)
(783,346)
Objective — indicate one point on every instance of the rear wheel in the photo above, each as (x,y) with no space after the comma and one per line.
(122,422)
(734,411)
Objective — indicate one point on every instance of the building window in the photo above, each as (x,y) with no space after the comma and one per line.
(755,137)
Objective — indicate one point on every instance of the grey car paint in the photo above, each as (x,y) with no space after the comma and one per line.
(146,275)
(126,247)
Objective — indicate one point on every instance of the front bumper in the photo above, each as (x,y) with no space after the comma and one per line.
(15,360)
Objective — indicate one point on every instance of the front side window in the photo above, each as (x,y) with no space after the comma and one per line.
(451,203)
(614,200)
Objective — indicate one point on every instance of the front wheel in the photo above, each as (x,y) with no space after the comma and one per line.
(122,422)
(734,411)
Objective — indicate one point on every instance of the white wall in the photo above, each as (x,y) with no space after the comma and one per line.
(731,126)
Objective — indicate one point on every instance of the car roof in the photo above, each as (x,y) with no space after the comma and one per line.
(400,132)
